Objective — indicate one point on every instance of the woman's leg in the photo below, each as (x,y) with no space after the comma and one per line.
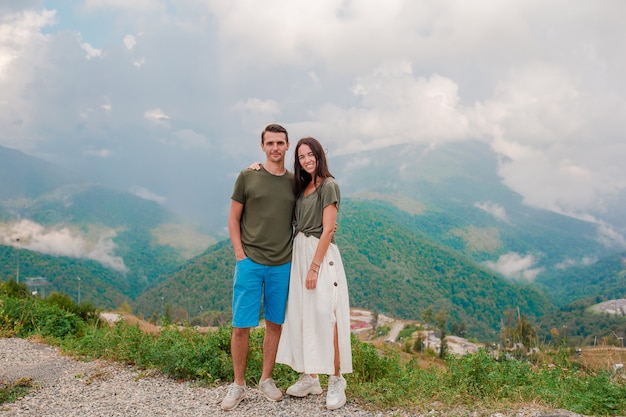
(337,358)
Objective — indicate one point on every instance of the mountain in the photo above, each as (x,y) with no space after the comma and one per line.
(391,269)
(454,196)
(26,177)
(580,325)
(81,279)
(61,228)
(605,278)
(441,232)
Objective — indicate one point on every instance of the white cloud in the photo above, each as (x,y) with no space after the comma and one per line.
(18,31)
(610,237)
(515,266)
(156,115)
(63,241)
(542,83)
(147,194)
(569,263)
(130,41)
(395,107)
(91,51)
(494,209)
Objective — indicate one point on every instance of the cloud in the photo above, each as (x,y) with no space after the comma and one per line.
(91,51)
(562,154)
(569,263)
(63,241)
(494,209)
(542,84)
(610,237)
(515,266)
(19,31)
(147,194)
(395,107)
(156,115)
(130,41)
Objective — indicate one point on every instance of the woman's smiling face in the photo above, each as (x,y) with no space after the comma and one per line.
(307,159)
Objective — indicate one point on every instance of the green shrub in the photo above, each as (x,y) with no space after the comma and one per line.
(84,310)
(28,316)
(13,289)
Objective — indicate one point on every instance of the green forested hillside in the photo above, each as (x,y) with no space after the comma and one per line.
(413,237)
(396,271)
(390,269)
(90,213)
(577,324)
(465,206)
(101,286)
(605,278)
(203,284)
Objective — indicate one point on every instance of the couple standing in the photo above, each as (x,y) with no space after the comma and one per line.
(300,278)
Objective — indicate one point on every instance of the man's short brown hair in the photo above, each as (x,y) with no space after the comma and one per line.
(274,128)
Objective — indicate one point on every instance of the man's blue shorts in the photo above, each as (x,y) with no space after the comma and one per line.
(253,280)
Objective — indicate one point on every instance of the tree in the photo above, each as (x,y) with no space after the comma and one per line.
(459,328)
(427,315)
(442,321)
(518,329)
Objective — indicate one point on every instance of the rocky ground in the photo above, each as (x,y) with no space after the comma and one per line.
(65,387)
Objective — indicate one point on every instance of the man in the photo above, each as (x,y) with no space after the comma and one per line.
(261,233)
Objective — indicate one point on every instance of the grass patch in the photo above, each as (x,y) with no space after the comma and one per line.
(381,379)
(12,392)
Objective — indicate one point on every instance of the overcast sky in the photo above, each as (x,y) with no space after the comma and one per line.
(155,90)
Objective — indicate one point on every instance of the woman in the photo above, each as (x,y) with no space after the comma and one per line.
(316,333)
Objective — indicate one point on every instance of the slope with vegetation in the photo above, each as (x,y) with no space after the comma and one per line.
(605,278)
(391,270)
(474,383)
(453,196)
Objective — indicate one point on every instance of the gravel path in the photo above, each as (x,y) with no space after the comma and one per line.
(67,388)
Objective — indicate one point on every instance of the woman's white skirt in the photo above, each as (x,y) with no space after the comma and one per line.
(307,340)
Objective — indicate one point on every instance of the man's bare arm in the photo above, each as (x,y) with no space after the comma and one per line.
(234,229)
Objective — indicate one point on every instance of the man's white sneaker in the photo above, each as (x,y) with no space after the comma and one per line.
(268,388)
(304,386)
(233,397)
(336,396)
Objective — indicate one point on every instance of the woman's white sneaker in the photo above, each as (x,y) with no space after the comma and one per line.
(304,386)
(336,396)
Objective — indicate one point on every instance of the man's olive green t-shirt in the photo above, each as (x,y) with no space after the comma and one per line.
(266,229)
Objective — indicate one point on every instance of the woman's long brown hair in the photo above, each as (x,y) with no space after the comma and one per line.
(303,178)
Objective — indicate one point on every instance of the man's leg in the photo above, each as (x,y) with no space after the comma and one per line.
(239,346)
(276,290)
(270,347)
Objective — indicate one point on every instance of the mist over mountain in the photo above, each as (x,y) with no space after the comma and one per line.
(117,242)
(455,190)
(24,176)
